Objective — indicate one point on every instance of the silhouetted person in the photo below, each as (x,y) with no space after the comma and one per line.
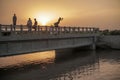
(56,24)
(29,24)
(35,24)
(14,20)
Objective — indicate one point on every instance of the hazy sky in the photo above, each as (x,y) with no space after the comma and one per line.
(98,13)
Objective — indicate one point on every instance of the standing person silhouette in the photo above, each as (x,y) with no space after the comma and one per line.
(35,24)
(29,24)
(14,20)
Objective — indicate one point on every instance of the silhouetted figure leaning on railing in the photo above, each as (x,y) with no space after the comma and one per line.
(56,24)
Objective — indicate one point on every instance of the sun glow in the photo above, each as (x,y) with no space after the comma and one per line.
(43,20)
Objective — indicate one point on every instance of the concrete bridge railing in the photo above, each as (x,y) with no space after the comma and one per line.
(45,29)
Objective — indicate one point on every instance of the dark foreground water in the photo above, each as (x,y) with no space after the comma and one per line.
(76,65)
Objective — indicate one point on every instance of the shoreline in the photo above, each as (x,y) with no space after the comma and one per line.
(109,42)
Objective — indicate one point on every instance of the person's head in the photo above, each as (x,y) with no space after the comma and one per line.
(35,19)
(14,14)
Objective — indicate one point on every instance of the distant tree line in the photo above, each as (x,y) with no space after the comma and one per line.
(108,32)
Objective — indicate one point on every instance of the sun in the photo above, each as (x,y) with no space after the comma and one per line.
(43,20)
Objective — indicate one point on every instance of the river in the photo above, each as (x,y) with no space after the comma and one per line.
(62,65)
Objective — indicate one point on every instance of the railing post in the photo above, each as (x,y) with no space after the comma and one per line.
(30,28)
(6,28)
(68,29)
(97,30)
(90,30)
(60,30)
(52,30)
(11,28)
(38,28)
(64,30)
(93,30)
(0,29)
(82,29)
(86,30)
(73,29)
(14,27)
(46,29)
(41,28)
(78,29)
(55,30)
(21,28)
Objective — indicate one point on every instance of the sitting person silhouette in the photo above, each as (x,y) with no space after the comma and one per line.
(35,24)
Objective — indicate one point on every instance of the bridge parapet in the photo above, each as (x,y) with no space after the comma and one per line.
(6,30)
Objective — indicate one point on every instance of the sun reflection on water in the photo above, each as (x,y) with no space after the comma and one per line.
(19,60)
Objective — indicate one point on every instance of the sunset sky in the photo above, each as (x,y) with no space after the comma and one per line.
(104,14)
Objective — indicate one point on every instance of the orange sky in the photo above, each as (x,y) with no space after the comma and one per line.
(98,13)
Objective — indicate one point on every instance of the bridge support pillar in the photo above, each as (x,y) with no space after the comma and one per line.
(93,46)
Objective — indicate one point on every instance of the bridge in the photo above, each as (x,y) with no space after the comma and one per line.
(18,39)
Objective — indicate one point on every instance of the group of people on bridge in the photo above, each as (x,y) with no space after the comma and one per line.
(29,23)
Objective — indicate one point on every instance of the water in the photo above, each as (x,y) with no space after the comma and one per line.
(49,65)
